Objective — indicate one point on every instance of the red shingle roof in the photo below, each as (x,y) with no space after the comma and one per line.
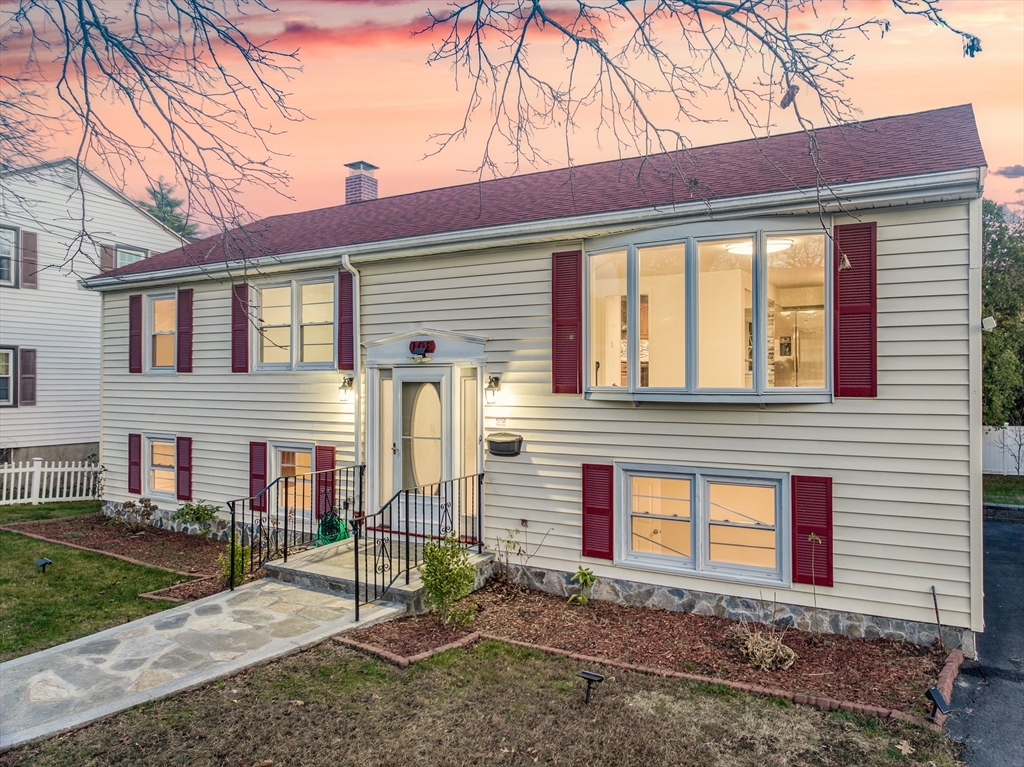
(926,142)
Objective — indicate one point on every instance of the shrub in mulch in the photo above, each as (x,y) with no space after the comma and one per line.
(873,672)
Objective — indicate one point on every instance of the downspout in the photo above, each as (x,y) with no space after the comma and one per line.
(357,363)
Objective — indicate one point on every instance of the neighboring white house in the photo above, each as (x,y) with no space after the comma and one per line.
(49,325)
(736,381)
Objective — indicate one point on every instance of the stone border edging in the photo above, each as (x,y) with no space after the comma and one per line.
(122,557)
(157,593)
(822,703)
(945,682)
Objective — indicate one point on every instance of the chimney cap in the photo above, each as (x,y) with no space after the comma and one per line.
(361,165)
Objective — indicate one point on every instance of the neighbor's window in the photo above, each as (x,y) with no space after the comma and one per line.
(127,256)
(721,317)
(796,311)
(162,337)
(300,315)
(698,520)
(8,255)
(161,466)
(6,376)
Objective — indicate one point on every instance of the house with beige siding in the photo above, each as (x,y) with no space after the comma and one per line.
(740,376)
(49,325)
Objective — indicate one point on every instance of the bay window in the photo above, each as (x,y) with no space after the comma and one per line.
(710,317)
(705,521)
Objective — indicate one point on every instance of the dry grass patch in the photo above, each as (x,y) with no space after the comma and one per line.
(491,704)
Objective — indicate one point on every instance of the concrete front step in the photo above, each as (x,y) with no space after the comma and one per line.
(331,569)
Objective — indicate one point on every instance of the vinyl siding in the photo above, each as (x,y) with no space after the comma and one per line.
(901,463)
(60,319)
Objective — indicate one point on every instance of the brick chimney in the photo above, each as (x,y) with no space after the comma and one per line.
(360,185)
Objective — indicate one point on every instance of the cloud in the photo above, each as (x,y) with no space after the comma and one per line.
(367,34)
(1010,171)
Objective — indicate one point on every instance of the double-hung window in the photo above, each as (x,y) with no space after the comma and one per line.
(7,379)
(8,256)
(295,325)
(710,317)
(163,332)
(721,523)
(160,466)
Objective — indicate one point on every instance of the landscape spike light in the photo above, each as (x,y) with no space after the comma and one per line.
(592,679)
(42,563)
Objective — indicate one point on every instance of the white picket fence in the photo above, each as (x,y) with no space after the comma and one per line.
(1000,446)
(37,481)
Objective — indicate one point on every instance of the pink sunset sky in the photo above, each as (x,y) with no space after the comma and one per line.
(370,95)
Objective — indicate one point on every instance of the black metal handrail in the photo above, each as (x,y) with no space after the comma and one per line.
(289,512)
(389,543)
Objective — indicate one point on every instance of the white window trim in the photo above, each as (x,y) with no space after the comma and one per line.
(15,258)
(691,236)
(699,564)
(12,373)
(295,337)
(147,341)
(147,465)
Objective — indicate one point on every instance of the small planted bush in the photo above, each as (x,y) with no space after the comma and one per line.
(137,516)
(196,513)
(448,576)
(584,580)
(241,558)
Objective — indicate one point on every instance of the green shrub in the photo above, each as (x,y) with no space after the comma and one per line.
(585,579)
(241,558)
(448,576)
(196,513)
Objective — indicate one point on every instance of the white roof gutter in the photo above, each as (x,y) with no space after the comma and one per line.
(907,190)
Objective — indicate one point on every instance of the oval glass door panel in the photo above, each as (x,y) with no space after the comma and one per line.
(421,433)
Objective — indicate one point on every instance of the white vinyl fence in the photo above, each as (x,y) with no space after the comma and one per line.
(1003,450)
(38,482)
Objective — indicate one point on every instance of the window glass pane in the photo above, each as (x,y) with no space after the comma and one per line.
(275,344)
(5,377)
(276,306)
(660,516)
(608,319)
(470,422)
(725,330)
(796,311)
(163,350)
(5,390)
(318,343)
(318,302)
(161,466)
(296,494)
(164,319)
(663,316)
(7,239)
(742,524)
(126,256)
(5,363)
(421,433)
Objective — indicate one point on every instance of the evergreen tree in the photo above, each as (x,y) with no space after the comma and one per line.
(164,208)
(1003,298)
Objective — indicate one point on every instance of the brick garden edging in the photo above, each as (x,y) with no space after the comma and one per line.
(157,595)
(945,681)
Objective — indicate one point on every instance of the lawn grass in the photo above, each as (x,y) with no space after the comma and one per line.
(27,513)
(1003,489)
(80,593)
(489,704)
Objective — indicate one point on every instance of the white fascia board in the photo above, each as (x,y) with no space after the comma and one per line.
(908,190)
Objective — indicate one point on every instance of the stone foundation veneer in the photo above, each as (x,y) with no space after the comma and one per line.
(854,625)
(220,528)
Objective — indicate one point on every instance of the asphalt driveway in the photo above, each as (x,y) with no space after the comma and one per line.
(988,698)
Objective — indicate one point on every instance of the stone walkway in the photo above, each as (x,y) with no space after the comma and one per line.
(65,687)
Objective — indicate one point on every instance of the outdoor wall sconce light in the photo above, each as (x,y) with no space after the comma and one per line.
(491,390)
(592,678)
(345,390)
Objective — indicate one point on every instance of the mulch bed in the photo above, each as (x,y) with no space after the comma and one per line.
(179,552)
(874,672)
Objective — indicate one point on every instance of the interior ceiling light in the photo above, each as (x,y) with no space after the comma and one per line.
(746,248)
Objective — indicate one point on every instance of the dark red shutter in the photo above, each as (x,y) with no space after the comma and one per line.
(240,328)
(29,260)
(135,333)
(346,321)
(598,510)
(258,474)
(855,311)
(324,485)
(106,258)
(135,463)
(185,331)
(183,454)
(812,530)
(567,322)
(26,376)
